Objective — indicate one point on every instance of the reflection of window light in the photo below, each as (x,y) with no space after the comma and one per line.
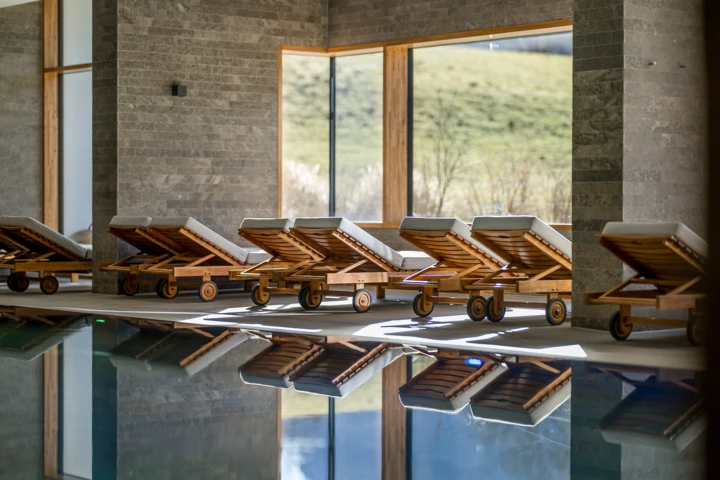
(474,362)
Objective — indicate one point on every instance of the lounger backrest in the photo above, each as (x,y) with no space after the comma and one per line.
(448,240)
(275,365)
(525,241)
(133,231)
(522,392)
(192,237)
(273,235)
(657,250)
(340,239)
(39,238)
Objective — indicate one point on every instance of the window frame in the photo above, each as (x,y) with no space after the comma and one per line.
(397,106)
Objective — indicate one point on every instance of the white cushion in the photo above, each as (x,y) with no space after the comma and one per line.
(412,260)
(189,223)
(44,231)
(256,255)
(678,230)
(446,224)
(516,417)
(135,222)
(357,233)
(501,223)
(266,224)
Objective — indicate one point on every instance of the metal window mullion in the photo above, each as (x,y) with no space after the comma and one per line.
(331,120)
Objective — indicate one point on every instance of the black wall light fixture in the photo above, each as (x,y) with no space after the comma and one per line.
(179,90)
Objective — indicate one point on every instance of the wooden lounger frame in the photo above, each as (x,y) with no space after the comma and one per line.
(461,267)
(22,315)
(24,259)
(674,272)
(284,356)
(343,261)
(289,255)
(175,263)
(537,268)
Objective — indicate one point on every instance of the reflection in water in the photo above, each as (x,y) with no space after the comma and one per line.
(142,400)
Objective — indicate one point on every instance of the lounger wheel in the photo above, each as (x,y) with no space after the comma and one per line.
(495,314)
(477,308)
(49,285)
(259,297)
(421,307)
(696,330)
(362,300)
(18,282)
(130,286)
(620,328)
(555,311)
(163,289)
(309,300)
(208,291)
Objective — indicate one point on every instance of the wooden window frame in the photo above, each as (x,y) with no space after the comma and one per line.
(395,90)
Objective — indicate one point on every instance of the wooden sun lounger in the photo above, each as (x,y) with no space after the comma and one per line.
(463,265)
(342,367)
(288,255)
(176,248)
(669,260)
(667,415)
(160,347)
(450,382)
(350,256)
(275,365)
(27,333)
(36,248)
(526,394)
(539,259)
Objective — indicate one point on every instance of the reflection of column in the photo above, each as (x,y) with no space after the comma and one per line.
(393,420)
(104,402)
(594,394)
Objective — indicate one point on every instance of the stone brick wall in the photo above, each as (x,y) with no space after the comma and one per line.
(362,21)
(209,426)
(21,110)
(213,154)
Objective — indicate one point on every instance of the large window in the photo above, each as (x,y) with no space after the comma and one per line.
(492,128)
(332,136)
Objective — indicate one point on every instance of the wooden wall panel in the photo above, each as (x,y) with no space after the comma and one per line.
(50,114)
(394,426)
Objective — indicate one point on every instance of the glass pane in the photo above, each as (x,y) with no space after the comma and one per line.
(493,128)
(77,356)
(358,145)
(459,446)
(305,436)
(305,136)
(77,156)
(358,432)
(76,32)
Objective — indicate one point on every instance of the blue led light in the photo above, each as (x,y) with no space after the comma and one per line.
(473,362)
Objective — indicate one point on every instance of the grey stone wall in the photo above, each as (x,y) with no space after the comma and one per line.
(213,154)
(21,110)
(210,426)
(21,419)
(363,21)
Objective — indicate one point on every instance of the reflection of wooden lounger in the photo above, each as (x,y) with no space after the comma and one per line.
(525,394)
(38,248)
(274,366)
(462,264)
(450,382)
(288,256)
(181,247)
(669,261)
(351,256)
(163,348)
(657,415)
(342,367)
(540,259)
(26,333)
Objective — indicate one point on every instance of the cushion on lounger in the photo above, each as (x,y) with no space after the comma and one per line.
(445,224)
(44,231)
(134,222)
(678,230)
(256,255)
(267,224)
(415,260)
(189,223)
(524,222)
(521,417)
(357,233)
